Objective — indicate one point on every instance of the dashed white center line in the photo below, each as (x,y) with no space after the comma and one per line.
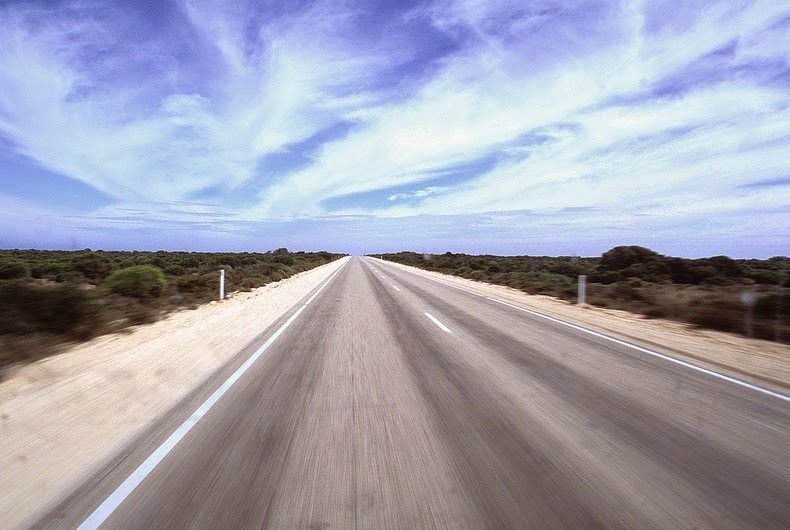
(667,358)
(436,321)
(396,288)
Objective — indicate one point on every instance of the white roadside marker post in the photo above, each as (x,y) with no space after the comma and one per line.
(582,288)
(222,284)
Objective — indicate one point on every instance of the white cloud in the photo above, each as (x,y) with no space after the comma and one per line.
(112,137)
(417,194)
(639,120)
(476,102)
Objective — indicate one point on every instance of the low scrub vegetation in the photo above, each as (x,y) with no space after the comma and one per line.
(49,298)
(138,281)
(749,297)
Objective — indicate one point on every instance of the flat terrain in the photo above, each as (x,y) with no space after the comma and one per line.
(392,400)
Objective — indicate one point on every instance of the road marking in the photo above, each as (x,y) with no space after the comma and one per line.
(111,503)
(396,288)
(436,321)
(668,358)
(324,285)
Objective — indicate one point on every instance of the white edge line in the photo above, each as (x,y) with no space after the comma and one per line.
(436,321)
(111,503)
(396,288)
(325,284)
(621,342)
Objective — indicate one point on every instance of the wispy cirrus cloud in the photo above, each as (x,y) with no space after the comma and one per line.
(233,114)
(417,194)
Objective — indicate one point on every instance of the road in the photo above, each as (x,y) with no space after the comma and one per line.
(395,401)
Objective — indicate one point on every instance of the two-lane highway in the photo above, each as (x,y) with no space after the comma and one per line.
(393,401)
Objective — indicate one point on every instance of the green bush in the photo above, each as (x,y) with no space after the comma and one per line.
(140,281)
(93,266)
(47,269)
(283,258)
(12,269)
(192,283)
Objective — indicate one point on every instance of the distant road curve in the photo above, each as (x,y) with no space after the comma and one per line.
(388,399)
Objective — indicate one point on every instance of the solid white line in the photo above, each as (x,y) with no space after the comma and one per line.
(673,360)
(111,503)
(325,284)
(396,288)
(436,321)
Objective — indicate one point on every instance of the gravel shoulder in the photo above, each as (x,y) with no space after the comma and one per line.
(760,362)
(62,416)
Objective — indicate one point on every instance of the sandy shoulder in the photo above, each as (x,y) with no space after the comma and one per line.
(758,361)
(63,415)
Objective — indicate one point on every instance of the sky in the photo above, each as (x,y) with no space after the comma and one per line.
(541,127)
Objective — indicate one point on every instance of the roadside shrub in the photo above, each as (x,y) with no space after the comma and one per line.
(623,257)
(93,266)
(773,306)
(47,269)
(605,277)
(283,258)
(64,309)
(627,291)
(140,281)
(175,270)
(721,315)
(70,277)
(12,269)
(192,283)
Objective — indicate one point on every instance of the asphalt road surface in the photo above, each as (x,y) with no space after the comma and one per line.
(394,401)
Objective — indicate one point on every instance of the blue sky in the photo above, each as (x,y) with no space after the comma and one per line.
(540,127)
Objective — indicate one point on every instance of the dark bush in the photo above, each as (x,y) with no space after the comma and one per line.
(283,258)
(64,309)
(140,281)
(767,277)
(623,257)
(93,266)
(627,291)
(721,315)
(47,269)
(772,305)
(13,269)
(605,277)
(175,270)
(727,267)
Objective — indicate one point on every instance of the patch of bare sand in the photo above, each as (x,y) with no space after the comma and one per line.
(63,415)
(760,362)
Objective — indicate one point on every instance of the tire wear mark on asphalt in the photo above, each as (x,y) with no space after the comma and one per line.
(741,490)
(512,483)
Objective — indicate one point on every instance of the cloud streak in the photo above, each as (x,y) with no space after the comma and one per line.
(649,120)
